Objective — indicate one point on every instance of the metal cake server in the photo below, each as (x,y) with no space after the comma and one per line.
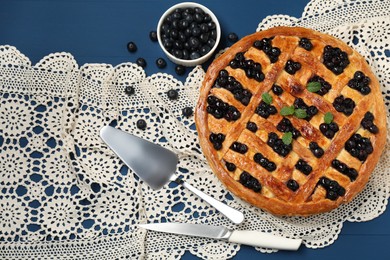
(156,165)
(251,238)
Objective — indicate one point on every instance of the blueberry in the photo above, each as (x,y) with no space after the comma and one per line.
(306,169)
(129,90)
(303,167)
(187,111)
(180,70)
(251,126)
(204,49)
(217,146)
(194,55)
(131,47)
(334,127)
(141,124)
(316,150)
(239,147)
(172,94)
(257,157)
(306,44)
(177,53)
(231,166)
(335,59)
(292,67)
(352,174)
(161,63)
(277,90)
(271,166)
(292,185)
(196,31)
(332,195)
(204,27)
(141,62)
(153,36)
(232,37)
(373,129)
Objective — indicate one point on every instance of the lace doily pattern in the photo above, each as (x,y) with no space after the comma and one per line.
(64,193)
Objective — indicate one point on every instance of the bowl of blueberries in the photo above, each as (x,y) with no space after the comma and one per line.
(188,33)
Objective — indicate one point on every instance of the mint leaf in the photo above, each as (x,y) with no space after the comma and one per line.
(287,111)
(313,86)
(300,113)
(267,98)
(328,118)
(287,138)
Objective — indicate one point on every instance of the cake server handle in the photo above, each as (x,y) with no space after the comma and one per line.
(234,215)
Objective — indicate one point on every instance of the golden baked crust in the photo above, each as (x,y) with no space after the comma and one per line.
(287,190)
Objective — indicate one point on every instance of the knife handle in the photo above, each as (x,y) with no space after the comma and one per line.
(234,215)
(261,239)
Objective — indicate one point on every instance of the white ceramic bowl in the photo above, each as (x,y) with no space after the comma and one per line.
(202,59)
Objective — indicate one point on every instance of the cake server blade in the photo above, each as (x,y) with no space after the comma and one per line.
(156,165)
(246,237)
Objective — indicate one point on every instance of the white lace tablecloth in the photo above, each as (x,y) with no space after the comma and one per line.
(63,193)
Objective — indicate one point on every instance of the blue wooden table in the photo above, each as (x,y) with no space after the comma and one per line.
(98,31)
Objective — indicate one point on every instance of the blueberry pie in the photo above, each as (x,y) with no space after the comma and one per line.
(291,120)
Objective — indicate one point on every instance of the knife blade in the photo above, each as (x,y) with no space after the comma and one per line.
(246,237)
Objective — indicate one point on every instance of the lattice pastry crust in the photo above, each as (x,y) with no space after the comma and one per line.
(291,120)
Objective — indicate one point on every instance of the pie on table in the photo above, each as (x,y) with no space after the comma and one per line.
(291,120)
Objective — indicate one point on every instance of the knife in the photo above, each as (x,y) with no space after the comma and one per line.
(250,238)
(156,166)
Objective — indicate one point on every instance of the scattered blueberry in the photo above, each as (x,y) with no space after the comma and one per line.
(187,111)
(131,47)
(161,63)
(129,90)
(232,37)
(172,94)
(141,62)
(153,36)
(141,124)
(180,70)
